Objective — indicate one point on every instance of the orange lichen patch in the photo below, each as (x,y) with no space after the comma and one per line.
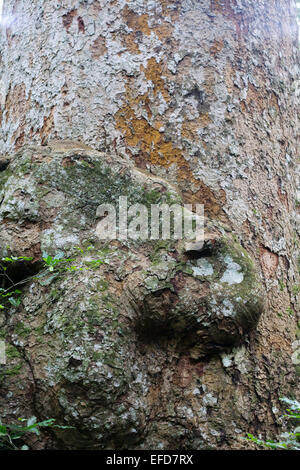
(216,47)
(213,202)
(139,24)
(169,9)
(67,19)
(269,262)
(138,132)
(164,31)
(98,47)
(158,124)
(190,129)
(166,155)
(47,126)
(156,151)
(153,72)
(130,42)
(136,22)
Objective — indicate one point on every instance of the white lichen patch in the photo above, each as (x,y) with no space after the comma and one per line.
(227,308)
(226,360)
(203,268)
(209,400)
(233,274)
(224,309)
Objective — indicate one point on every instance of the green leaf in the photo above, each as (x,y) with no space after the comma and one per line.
(31,421)
(14,302)
(3,429)
(46,423)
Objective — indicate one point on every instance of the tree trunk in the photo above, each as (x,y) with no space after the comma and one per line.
(200,94)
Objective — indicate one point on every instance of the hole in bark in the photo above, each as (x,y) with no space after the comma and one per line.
(158,293)
(3,164)
(204,252)
(74,362)
(17,273)
(194,254)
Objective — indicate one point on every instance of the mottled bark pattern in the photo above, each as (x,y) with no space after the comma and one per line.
(203,93)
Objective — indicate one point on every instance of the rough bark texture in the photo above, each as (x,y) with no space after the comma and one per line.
(202,94)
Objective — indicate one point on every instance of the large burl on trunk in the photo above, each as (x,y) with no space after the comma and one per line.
(186,101)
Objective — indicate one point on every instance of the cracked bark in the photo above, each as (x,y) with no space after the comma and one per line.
(205,95)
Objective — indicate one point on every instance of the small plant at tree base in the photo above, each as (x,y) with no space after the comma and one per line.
(63,264)
(11,435)
(54,262)
(290,440)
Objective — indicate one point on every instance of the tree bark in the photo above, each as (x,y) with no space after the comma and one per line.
(203,94)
